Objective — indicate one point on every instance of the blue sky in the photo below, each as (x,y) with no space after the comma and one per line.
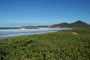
(43,12)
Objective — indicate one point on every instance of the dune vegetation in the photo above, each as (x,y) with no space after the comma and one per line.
(62,45)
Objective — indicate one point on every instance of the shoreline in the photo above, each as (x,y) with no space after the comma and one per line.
(25,35)
(40,31)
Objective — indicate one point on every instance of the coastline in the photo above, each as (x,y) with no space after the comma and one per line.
(25,35)
(28,32)
(24,32)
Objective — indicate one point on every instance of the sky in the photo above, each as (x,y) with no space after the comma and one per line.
(43,12)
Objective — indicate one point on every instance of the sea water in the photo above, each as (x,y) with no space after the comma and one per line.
(20,32)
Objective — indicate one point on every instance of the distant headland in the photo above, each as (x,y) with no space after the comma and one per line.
(77,24)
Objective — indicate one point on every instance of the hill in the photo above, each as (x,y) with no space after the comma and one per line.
(77,24)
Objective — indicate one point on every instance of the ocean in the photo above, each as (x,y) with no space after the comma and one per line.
(20,32)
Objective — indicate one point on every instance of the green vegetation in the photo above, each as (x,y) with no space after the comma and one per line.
(62,45)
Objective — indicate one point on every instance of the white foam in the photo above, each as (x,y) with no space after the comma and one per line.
(23,30)
(20,32)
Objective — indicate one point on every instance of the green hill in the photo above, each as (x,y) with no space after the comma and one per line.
(77,24)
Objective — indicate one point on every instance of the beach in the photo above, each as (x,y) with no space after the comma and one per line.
(20,32)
